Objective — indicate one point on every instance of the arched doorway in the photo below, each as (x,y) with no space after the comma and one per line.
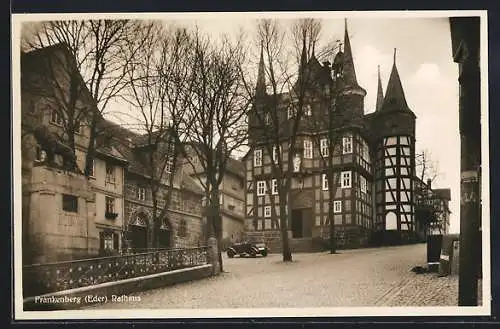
(391,222)
(139,232)
(165,234)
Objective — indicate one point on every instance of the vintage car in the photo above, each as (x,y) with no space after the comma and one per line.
(247,248)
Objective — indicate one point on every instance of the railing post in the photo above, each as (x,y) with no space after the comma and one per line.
(213,255)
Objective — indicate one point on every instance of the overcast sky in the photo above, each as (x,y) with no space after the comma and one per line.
(428,74)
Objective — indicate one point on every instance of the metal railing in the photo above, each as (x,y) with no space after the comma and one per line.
(51,277)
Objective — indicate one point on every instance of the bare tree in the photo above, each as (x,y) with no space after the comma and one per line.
(85,73)
(281,99)
(428,210)
(159,82)
(216,117)
(426,168)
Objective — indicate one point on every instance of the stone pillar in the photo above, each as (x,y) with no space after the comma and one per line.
(213,255)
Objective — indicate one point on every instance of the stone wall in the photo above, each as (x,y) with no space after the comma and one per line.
(53,234)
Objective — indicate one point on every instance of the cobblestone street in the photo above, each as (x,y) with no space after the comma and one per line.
(363,277)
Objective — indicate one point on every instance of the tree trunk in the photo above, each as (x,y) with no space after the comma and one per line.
(284,213)
(216,221)
(331,196)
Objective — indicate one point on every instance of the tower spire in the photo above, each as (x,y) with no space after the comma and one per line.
(348,70)
(261,77)
(303,63)
(394,96)
(380,92)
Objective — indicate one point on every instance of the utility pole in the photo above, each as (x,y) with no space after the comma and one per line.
(465,42)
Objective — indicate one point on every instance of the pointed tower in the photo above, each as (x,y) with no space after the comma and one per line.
(350,96)
(395,99)
(302,67)
(380,92)
(260,89)
(395,174)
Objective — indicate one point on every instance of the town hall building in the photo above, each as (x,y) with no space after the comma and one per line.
(373,163)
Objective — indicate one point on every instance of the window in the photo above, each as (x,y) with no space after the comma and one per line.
(141,193)
(324,180)
(110,173)
(56,118)
(169,165)
(109,241)
(308,110)
(267,118)
(70,203)
(363,184)
(347,144)
(296,163)
(110,205)
(337,206)
(274,184)
(182,231)
(346,179)
(308,149)
(267,211)
(92,169)
(261,188)
(291,112)
(257,158)
(276,154)
(324,146)
(40,154)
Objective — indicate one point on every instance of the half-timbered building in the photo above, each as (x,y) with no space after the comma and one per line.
(373,162)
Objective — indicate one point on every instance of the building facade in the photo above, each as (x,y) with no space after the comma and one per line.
(373,161)
(69,215)
(66,215)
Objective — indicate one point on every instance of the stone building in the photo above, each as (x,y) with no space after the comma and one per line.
(373,162)
(181,223)
(232,193)
(66,215)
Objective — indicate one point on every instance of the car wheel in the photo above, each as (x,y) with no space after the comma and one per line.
(230,254)
(253,253)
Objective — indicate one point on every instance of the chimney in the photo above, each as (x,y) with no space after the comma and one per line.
(429,184)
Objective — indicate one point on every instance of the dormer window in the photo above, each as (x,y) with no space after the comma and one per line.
(110,174)
(257,158)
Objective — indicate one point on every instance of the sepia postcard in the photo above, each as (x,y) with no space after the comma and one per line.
(244,164)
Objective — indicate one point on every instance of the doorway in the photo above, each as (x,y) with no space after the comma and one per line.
(297,223)
(164,238)
(139,237)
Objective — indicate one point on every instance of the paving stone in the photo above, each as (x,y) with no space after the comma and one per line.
(362,277)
